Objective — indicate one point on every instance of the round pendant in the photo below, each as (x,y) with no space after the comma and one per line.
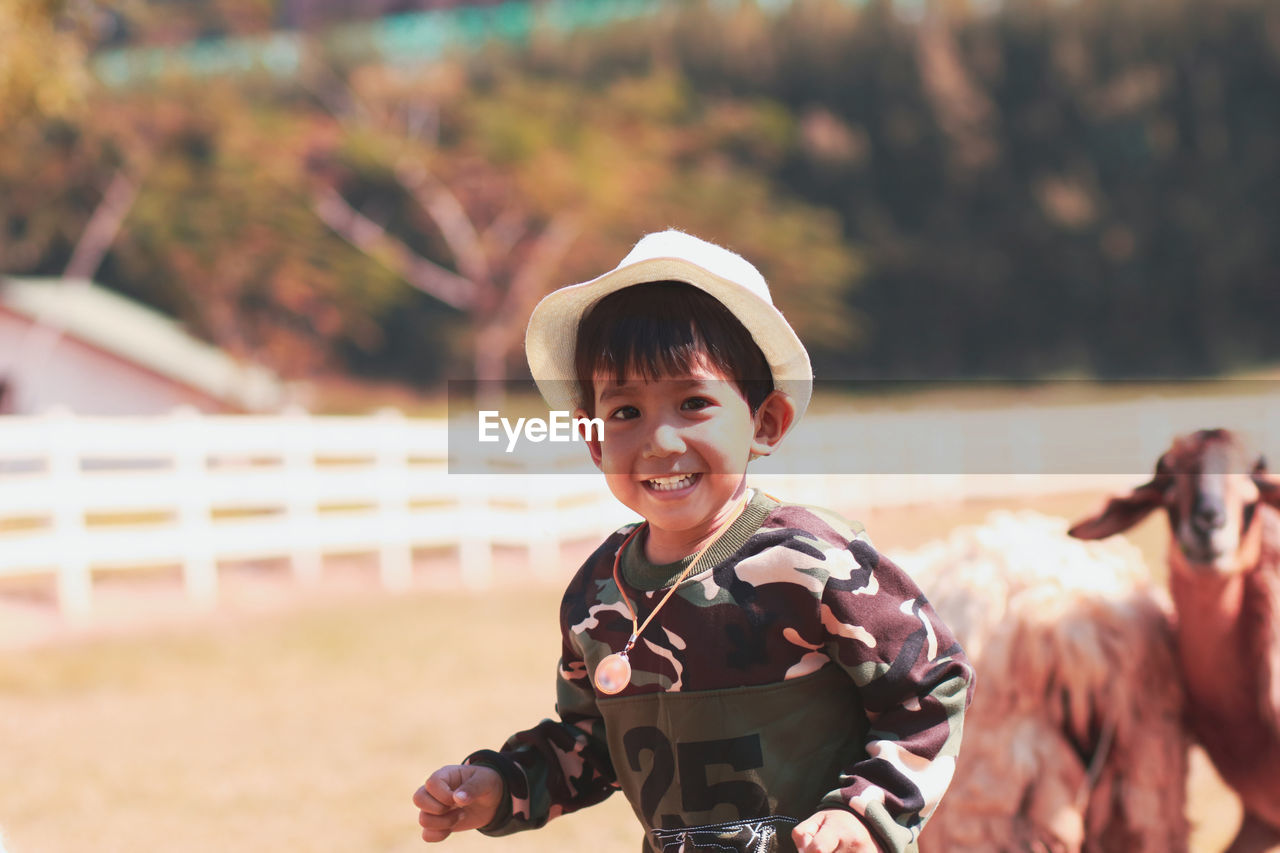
(613,674)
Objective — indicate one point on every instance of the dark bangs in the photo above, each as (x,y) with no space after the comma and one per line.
(665,329)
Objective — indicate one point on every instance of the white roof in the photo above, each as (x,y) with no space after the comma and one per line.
(129,330)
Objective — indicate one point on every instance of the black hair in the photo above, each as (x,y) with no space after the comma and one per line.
(662,329)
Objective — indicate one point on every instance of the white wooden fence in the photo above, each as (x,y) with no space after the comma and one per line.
(80,494)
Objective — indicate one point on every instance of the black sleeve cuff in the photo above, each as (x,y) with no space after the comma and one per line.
(504,766)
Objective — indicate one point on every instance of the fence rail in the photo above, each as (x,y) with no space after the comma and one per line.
(80,495)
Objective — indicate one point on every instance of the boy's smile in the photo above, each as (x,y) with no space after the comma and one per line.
(675,450)
(670,484)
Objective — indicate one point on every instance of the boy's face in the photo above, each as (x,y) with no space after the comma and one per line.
(675,450)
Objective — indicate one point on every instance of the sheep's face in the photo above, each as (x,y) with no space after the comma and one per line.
(1211,489)
(1210,500)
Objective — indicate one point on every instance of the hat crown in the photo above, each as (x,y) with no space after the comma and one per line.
(716,260)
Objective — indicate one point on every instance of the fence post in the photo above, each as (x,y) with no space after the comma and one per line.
(75,581)
(199,566)
(299,459)
(470,481)
(475,544)
(543,492)
(395,554)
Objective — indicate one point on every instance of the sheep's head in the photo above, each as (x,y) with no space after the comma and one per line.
(1210,488)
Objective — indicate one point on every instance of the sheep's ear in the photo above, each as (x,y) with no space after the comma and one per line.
(1122,513)
(1268,487)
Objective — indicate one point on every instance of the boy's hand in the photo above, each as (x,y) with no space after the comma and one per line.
(457,797)
(833,831)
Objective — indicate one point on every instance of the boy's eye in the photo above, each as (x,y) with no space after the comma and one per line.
(624,413)
(695,403)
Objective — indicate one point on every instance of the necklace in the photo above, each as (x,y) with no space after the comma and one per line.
(614,672)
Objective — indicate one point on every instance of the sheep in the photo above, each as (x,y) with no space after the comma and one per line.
(1074,740)
(1224,576)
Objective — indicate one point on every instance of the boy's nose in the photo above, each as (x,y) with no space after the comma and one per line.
(665,441)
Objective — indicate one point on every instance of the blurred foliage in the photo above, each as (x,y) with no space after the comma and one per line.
(224,212)
(42,59)
(1050,189)
(522,182)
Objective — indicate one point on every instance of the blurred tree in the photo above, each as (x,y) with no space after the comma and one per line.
(223,225)
(503,245)
(42,59)
(45,86)
(48,164)
(501,175)
(1041,189)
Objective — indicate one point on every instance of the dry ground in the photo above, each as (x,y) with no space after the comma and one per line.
(303,719)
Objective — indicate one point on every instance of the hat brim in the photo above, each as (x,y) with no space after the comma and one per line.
(553,328)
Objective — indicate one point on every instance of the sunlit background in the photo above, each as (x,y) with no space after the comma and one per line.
(245,246)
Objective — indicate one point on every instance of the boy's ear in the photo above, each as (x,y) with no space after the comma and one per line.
(772,420)
(588,434)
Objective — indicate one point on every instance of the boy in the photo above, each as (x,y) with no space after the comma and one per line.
(751,674)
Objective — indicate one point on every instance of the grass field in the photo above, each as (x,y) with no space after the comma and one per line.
(307,727)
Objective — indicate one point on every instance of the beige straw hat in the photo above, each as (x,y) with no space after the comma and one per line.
(667,256)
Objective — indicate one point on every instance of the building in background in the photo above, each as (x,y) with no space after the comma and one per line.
(79,346)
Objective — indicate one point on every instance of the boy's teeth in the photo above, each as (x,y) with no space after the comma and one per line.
(666,484)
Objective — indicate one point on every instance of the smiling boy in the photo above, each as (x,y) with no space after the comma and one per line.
(752,674)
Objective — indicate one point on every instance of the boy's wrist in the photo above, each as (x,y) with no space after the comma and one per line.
(499,764)
(834,802)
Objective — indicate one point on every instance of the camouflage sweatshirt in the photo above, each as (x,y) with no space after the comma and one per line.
(799,671)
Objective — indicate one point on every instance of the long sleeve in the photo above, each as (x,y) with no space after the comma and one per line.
(558,766)
(915,684)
